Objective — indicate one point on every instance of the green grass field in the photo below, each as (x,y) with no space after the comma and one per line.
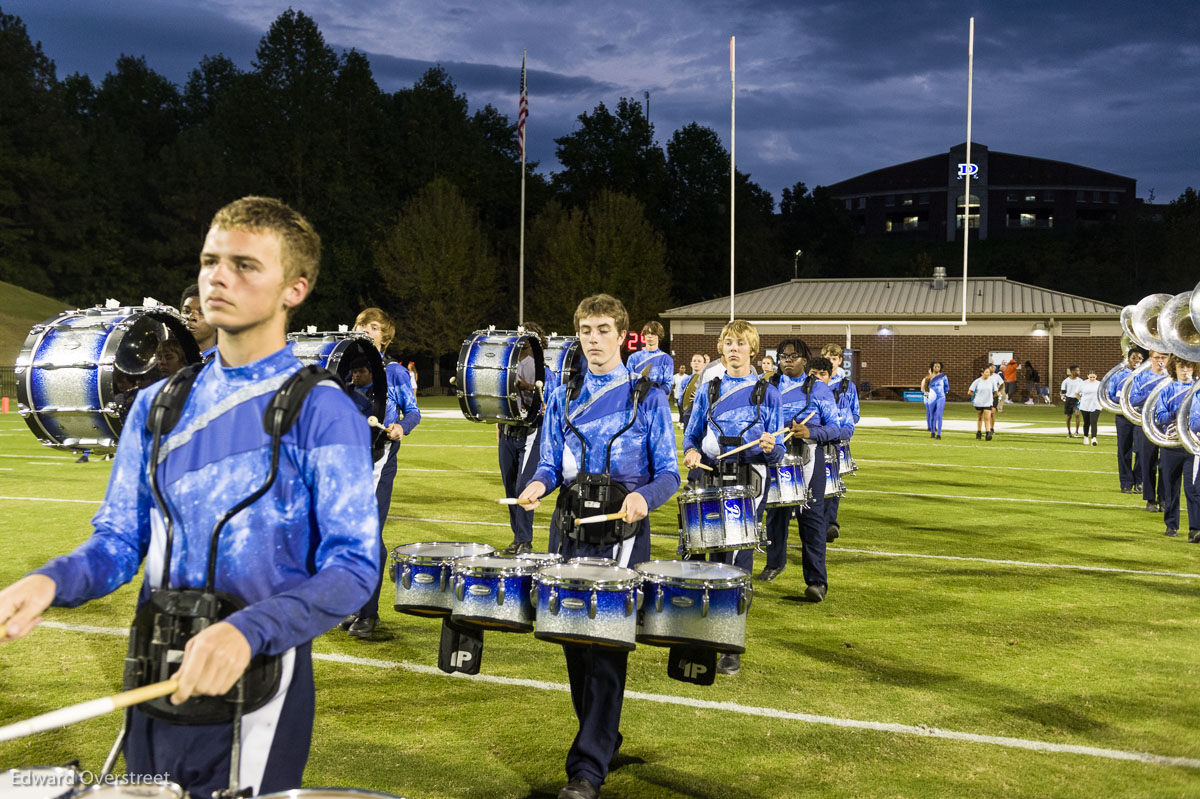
(989,605)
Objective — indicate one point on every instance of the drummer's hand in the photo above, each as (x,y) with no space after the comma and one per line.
(766,441)
(395,431)
(533,494)
(22,603)
(800,430)
(691,458)
(212,662)
(635,507)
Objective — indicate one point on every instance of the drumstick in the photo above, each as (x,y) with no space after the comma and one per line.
(374,422)
(87,710)
(513,501)
(755,441)
(705,468)
(601,517)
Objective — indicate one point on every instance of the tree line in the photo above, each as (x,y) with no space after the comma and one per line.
(106,189)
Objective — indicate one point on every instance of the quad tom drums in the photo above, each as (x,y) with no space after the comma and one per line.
(717,519)
(691,602)
(582,603)
(422,574)
(78,372)
(486,380)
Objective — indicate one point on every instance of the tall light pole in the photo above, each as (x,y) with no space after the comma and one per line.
(796,265)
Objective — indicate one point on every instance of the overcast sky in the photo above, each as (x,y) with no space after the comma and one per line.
(825,90)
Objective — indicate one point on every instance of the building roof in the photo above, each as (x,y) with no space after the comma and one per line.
(885,298)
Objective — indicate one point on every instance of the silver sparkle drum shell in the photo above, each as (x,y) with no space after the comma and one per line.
(422,574)
(718,519)
(491,592)
(787,484)
(486,376)
(692,602)
(581,603)
(65,373)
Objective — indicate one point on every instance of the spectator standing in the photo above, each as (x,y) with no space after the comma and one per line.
(1010,379)
(1088,393)
(1032,380)
(1069,392)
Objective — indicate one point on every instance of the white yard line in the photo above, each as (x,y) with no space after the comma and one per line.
(988,467)
(920,730)
(991,499)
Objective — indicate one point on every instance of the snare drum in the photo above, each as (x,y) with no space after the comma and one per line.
(834,486)
(787,484)
(117,789)
(70,370)
(486,379)
(422,574)
(493,593)
(695,603)
(846,464)
(579,603)
(717,519)
(38,782)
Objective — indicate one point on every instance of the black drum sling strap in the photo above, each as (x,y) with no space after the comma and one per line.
(729,471)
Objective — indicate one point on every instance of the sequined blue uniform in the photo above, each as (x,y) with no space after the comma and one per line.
(1128,438)
(662,366)
(1175,464)
(643,459)
(799,398)
(303,556)
(1143,383)
(735,415)
(846,394)
(935,403)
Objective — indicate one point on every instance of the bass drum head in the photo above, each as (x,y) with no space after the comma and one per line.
(486,378)
(564,359)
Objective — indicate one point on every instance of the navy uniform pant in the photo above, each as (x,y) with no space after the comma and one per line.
(1176,469)
(597,673)
(1125,442)
(197,757)
(1148,462)
(518,461)
(383,502)
(811,520)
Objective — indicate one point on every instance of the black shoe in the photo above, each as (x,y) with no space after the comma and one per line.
(1137,488)
(1152,507)
(82,458)
(815,593)
(768,574)
(363,628)
(939,436)
(517,548)
(347,622)
(989,435)
(1171,533)
(108,456)
(728,664)
(832,532)
(1194,536)
(1128,490)
(978,435)
(579,788)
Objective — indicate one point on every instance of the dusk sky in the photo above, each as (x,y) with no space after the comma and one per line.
(825,91)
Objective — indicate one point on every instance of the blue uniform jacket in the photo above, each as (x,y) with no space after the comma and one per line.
(937,386)
(1143,383)
(1168,403)
(1117,384)
(662,366)
(823,428)
(401,402)
(847,402)
(732,413)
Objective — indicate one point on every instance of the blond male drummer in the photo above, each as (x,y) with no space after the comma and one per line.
(643,461)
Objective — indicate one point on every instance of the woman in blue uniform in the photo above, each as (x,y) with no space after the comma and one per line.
(934,387)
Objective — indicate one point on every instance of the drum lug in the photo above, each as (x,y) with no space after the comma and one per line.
(459,587)
(553,601)
(500,591)
(704,604)
(745,598)
(630,602)
(533,591)
(658,599)
(593,604)
(406,577)
(444,574)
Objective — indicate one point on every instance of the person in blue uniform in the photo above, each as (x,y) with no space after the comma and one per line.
(519,445)
(300,557)
(656,364)
(845,393)
(934,387)
(401,416)
(1175,462)
(804,397)
(643,460)
(746,411)
(1141,385)
(1128,469)
(204,333)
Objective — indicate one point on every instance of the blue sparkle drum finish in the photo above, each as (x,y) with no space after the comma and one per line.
(494,593)
(422,574)
(717,519)
(834,487)
(564,358)
(486,379)
(66,371)
(787,484)
(846,464)
(580,603)
(695,603)
(328,348)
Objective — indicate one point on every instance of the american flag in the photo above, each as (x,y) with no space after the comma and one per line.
(523,114)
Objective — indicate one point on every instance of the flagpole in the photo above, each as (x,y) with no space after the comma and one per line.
(732,169)
(523,114)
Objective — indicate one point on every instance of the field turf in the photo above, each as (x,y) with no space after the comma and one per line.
(1001,622)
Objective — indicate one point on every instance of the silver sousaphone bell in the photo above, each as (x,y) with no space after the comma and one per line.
(1144,330)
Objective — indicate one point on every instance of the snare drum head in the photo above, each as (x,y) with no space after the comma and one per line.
(602,577)
(494,564)
(593,561)
(541,558)
(691,571)
(119,790)
(440,550)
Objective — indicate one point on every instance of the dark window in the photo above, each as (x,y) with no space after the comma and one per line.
(890,200)
(924,198)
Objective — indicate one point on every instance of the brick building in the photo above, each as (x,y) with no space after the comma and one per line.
(899,325)
(1010,195)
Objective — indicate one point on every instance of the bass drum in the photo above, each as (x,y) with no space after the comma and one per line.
(78,372)
(564,359)
(340,352)
(486,378)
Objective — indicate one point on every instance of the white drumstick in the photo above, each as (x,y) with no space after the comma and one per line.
(374,422)
(513,501)
(601,517)
(87,710)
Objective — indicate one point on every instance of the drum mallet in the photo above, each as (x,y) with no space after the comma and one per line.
(87,710)
(601,517)
(373,421)
(513,501)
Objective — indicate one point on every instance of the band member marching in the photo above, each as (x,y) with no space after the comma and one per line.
(519,445)
(804,396)
(1175,463)
(1127,433)
(1143,382)
(607,436)
(845,393)
(290,559)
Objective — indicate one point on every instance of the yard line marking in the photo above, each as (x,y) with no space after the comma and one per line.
(1026,563)
(974,466)
(991,499)
(452,471)
(60,457)
(54,499)
(1080,450)
(920,730)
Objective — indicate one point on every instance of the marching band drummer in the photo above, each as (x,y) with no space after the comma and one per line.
(204,333)
(519,445)
(801,394)
(400,418)
(845,393)
(643,460)
(301,557)
(1127,438)
(1175,463)
(1143,383)
(656,364)
(734,409)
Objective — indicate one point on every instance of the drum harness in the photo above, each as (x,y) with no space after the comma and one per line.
(172,616)
(596,492)
(831,449)
(729,472)
(800,446)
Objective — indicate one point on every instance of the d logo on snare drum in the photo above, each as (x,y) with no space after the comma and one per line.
(733,509)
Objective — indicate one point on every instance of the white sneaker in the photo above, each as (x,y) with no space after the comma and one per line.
(1028,402)
(1093,441)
